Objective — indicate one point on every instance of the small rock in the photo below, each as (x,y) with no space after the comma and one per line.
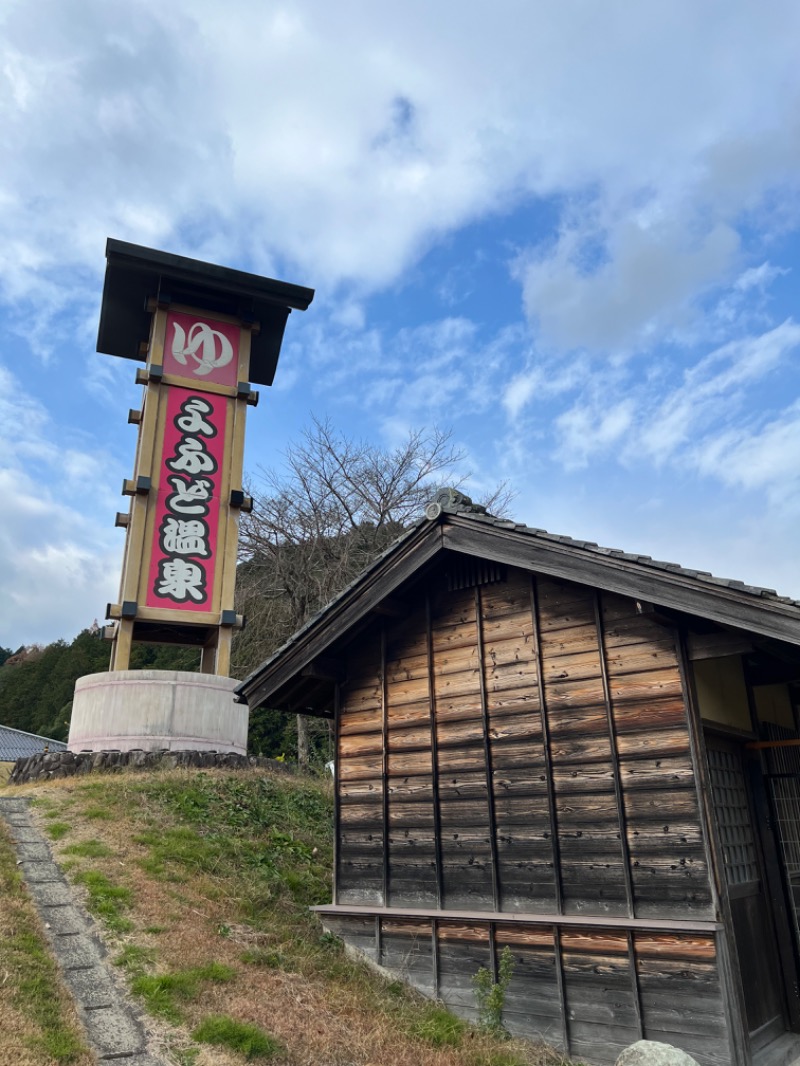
(654,1053)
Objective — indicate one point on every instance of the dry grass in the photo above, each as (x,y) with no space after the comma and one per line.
(216,902)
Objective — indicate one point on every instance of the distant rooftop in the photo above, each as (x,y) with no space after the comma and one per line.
(16,744)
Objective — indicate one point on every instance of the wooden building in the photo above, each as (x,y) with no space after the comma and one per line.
(584,755)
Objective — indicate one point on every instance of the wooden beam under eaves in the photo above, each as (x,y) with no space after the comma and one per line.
(662,615)
(717,645)
(324,669)
(391,607)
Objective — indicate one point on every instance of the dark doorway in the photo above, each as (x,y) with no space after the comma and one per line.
(754,928)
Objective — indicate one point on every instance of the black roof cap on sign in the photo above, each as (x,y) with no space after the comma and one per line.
(135,274)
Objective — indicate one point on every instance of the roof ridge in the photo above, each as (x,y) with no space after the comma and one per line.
(706,576)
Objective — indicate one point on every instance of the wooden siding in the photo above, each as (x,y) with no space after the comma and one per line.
(520,750)
(519,746)
(589,991)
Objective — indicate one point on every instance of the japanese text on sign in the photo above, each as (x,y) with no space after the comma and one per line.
(187,516)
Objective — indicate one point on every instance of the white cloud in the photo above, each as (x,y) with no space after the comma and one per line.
(704,421)
(59,561)
(641,291)
(344,140)
(712,392)
(642,162)
(759,277)
(755,458)
(584,432)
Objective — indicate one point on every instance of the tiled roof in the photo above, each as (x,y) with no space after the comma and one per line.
(700,578)
(15,744)
(644,560)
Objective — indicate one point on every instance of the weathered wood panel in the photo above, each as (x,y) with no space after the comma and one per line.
(360,852)
(589,991)
(526,875)
(592,875)
(411,843)
(532,1006)
(608,724)
(406,948)
(466,845)
(462,950)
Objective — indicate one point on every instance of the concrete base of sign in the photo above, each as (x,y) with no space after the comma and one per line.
(157,710)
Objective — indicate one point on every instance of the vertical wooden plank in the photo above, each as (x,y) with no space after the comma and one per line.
(551,797)
(225,582)
(562,997)
(487,750)
(727,958)
(384,769)
(222,660)
(378,940)
(208,656)
(637,994)
(337,803)
(612,736)
(139,544)
(437,814)
(435,956)
(493,952)
(121,648)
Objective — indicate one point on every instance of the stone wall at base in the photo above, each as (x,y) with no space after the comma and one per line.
(47,767)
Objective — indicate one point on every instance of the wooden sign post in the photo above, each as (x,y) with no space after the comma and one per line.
(179,569)
(207,334)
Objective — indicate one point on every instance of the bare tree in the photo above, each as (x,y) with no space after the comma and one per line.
(316,523)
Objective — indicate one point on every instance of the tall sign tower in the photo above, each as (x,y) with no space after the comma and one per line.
(206,334)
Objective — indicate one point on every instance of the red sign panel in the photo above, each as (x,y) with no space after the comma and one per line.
(186,530)
(200,349)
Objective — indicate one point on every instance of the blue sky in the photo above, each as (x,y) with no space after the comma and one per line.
(567,230)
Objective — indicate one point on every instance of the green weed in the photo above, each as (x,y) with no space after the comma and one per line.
(185,1056)
(57,830)
(88,849)
(491,994)
(497,1057)
(247,1039)
(270,959)
(96,789)
(97,813)
(135,958)
(163,992)
(107,900)
(267,828)
(437,1026)
(179,847)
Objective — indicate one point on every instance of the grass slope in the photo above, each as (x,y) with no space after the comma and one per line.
(202,882)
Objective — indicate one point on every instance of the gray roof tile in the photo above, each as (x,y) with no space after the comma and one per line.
(644,560)
(16,744)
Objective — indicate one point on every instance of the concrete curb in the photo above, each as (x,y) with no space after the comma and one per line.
(112,1028)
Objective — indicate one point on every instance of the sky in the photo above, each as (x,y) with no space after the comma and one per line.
(567,230)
